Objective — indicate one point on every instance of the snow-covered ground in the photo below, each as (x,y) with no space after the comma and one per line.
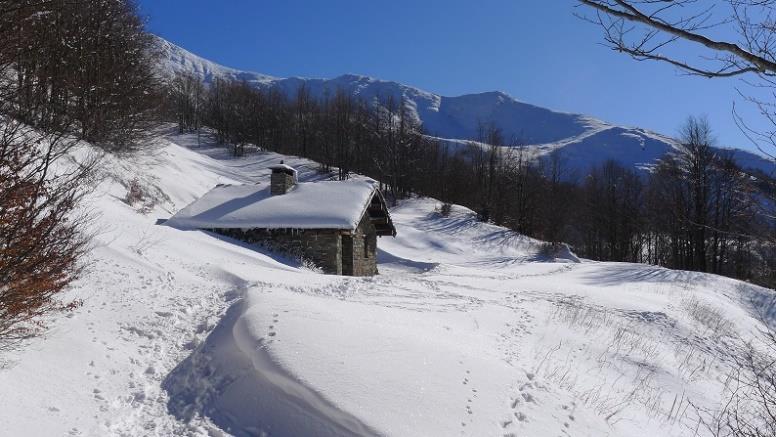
(468,330)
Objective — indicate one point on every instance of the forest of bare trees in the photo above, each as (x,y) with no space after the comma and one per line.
(69,71)
(695,210)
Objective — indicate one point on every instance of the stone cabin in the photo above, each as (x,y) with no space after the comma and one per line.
(334,224)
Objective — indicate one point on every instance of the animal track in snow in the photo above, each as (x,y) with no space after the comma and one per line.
(272,332)
(468,406)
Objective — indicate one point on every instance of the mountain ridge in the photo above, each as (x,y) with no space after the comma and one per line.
(584,141)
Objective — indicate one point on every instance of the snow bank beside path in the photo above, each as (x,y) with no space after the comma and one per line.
(233,380)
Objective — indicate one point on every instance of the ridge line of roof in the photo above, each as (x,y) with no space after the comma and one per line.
(365,207)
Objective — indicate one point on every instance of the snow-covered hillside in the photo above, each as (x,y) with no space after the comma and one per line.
(176,60)
(469,330)
(584,140)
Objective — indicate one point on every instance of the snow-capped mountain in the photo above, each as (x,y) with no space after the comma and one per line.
(584,141)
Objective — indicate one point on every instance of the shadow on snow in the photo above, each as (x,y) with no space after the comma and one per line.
(232,379)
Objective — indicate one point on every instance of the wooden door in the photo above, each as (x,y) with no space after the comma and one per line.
(347,255)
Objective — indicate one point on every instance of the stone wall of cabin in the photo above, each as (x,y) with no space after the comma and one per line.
(321,246)
(324,247)
(364,249)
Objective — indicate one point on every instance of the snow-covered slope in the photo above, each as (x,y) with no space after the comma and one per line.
(176,60)
(584,140)
(470,329)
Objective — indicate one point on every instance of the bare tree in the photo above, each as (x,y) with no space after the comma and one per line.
(68,69)
(654,29)
(41,237)
(186,95)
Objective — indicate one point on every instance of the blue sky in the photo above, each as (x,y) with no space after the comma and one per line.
(534,50)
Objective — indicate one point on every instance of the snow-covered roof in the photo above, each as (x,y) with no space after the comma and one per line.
(310,205)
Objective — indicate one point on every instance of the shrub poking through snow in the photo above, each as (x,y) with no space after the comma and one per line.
(307,264)
(712,319)
(557,251)
(142,195)
(134,193)
(748,408)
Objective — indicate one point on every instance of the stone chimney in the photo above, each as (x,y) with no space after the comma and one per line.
(283,178)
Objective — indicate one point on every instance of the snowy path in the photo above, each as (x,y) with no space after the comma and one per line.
(466,331)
